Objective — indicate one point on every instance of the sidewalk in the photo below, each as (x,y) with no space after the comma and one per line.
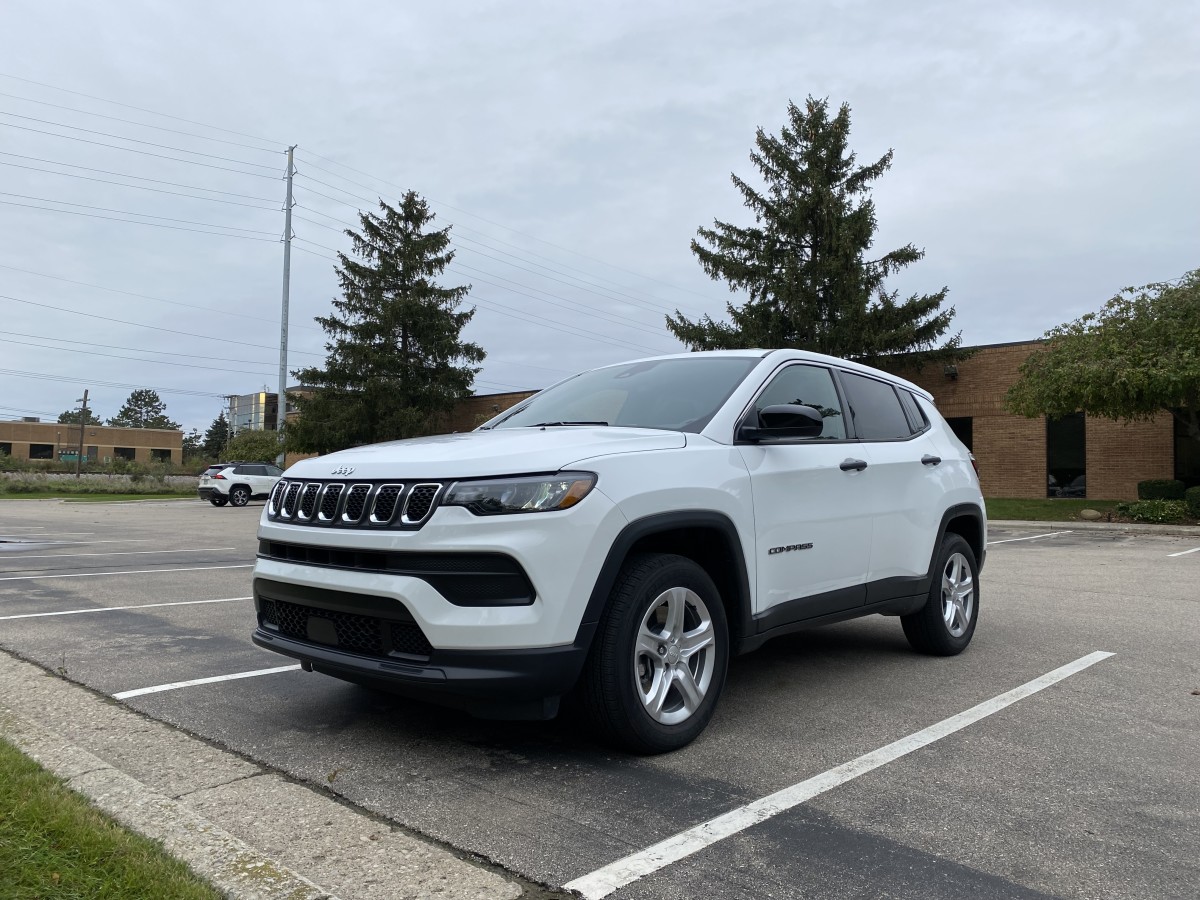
(252,832)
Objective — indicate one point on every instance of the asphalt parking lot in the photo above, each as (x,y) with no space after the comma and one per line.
(1086,787)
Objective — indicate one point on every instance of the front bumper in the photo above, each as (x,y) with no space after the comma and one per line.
(373,642)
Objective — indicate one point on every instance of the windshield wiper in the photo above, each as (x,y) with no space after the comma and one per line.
(548,424)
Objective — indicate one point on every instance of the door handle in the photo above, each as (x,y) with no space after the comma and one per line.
(928,460)
(853,465)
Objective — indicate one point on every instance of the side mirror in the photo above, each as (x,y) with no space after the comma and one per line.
(782,421)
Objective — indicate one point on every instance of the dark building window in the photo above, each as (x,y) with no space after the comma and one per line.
(6,449)
(1187,456)
(160,455)
(125,453)
(1066,457)
(41,451)
(964,429)
(92,454)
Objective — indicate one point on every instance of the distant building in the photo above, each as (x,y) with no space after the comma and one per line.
(253,412)
(53,440)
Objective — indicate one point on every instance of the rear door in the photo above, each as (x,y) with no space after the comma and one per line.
(908,489)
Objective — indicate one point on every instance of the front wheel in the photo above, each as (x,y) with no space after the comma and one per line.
(240,495)
(945,624)
(658,662)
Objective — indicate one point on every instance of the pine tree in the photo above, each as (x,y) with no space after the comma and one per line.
(804,262)
(72,417)
(396,365)
(216,437)
(143,409)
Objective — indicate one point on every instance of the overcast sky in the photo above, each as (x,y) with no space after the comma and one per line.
(1046,155)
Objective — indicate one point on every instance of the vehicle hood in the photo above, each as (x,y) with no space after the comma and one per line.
(508,451)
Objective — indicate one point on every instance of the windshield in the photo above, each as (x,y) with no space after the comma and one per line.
(679,394)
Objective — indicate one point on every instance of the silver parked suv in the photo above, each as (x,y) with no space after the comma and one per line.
(621,534)
(238,482)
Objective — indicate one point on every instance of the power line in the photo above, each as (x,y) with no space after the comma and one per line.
(32,412)
(505,227)
(100,287)
(126,212)
(85,112)
(118,384)
(191,334)
(121,137)
(244,237)
(139,108)
(173,353)
(140,187)
(584,286)
(161,362)
(191,187)
(192,162)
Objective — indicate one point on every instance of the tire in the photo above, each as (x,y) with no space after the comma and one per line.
(945,624)
(239,495)
(658,662)
(217,500)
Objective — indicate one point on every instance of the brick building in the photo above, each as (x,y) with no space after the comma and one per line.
(1077,456)
(52,440)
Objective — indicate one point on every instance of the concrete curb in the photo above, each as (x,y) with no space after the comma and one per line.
(231,865)
(1129,528)
(250,831)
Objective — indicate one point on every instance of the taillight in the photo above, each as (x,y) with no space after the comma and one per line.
(974,465)
(222,477)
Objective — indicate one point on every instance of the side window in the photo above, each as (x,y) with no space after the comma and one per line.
(878,415)
(252,470)
(274,470)
(916,416)
(807,386)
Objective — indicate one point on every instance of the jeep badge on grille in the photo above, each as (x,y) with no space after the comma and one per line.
(343,470)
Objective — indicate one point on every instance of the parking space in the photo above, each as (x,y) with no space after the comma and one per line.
(1082,788)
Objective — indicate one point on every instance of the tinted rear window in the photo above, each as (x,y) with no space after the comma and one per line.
(878,415)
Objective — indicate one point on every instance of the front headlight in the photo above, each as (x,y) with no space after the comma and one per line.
(534,493)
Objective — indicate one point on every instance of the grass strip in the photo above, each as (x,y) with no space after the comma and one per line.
(1046,509)
(54,844)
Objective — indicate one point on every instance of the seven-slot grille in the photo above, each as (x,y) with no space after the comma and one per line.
(349,504)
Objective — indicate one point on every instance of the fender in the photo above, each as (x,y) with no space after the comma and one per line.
(737,582)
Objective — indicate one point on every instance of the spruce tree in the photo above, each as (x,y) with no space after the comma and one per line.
(396,365)
(804,261)
(217,437)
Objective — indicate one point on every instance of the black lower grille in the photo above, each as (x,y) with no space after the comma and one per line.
(365,635)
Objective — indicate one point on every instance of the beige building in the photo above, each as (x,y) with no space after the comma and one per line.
(51,440)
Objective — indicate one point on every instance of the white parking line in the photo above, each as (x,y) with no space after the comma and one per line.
(33,539)
(604,881)
(1185,552)
(129,572)
(1032,537)
(100,609)
(117,553)
(158,688)
(42,534)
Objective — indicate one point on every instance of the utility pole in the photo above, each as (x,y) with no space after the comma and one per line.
(281,402)
(83,414)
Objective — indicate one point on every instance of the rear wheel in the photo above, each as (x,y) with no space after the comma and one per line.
(945,624)
(658,662)
(218,500)
(240,495)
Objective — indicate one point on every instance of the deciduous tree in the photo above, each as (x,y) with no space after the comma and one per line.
(1135,358)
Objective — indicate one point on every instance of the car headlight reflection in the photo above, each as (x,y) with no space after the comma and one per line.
(536,493)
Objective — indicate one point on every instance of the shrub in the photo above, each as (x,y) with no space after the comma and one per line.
(1156,511)
(1160,489)
(1192,497)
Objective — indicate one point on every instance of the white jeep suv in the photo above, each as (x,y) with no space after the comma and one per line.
(620,534)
